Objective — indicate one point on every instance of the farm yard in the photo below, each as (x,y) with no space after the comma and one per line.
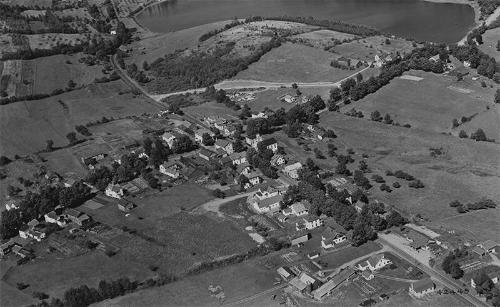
(430,103)
(281,65)
(365,49)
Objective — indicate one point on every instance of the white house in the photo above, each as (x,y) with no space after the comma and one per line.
(51,217)
(238,158)
(198,134)
(114,190)
(169,169)
(375,262)
(309,222)
(11,204)
(278,160)
(169,138)
(271,204)
(299,209)
(254,178)
(292,170)
(270,144)
(269,192)
(244,169)
(253,142)
(493,276)
(224,145)
(422,287)
(330,237)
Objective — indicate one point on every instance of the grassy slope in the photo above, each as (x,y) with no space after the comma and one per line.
(490,39)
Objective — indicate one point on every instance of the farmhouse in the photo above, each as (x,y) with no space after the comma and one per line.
(76,216)
(125,205)
(422,287)
(278,160)
(169,138)
(292,170)
(330,237)
(253,141)
(207,154)
(198,134)
(490,246)
(375,262)
(6,247)
(269,192)
(270,204)
(270,144)
(329,286)
(170,169)
(114,190)
(300,208)
(224,145)
(309,222)
(254,178)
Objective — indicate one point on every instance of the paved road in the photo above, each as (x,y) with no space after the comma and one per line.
(443,279)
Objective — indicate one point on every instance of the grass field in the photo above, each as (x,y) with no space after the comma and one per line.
(337,258)
(428,104)
(365,49)
(490,39)
(282,65)
(322,38)
(13,297)
(50,40)
(210,109)
(237,281)
(54,276)
(488,120)
(52,118)
(467,171)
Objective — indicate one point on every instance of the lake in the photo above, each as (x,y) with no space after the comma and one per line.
(421,20)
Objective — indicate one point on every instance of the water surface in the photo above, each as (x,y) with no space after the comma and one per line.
(437,22)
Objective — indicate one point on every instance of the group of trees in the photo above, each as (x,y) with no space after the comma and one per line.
(261,159)
(34,205)
(450,263)
(486,287)
(479,60)
(479,205)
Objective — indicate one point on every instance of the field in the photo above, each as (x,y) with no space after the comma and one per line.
(490,39)
(365,49)
(467,171)
(237,281)
(29,3)
(337,258)
(50,40)
(281,65)
(54,276)
(52,118)
(13,297)
(428,104)
(44,75)
(210,109)
(323,39)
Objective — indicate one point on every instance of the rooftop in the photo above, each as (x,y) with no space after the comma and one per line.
(422,285)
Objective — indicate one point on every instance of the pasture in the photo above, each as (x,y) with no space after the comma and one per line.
(282,65)
(431,103)
(50,40)
(53,117)
(365,49)
(488,120)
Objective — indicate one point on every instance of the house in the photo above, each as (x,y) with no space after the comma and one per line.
(225,145)
(77,217)
(299,209)
(375,262)
(313,255)
(198,134)
(254,141)
(33,223)
(281,217)
(36,235)
(418,240)
(309,222)
(287,211)
(11,204)
(493,276)
(169,138)
(479,251)
(288,98)
(270,144)
(466,64)
(114,190)
(170,169)
(422,287)
(301,239)
(23,231)
(244,169)
(6,247)
(368,275)
(238,158)
(207,154)
(125,205)
(285,272)
(435,58)
(278,160)
(254,178)
(20,251)
(292,170)
(271,204)
(333,283)
(490,246)
(331,237)
(51,217)
(262,114)
(271,191)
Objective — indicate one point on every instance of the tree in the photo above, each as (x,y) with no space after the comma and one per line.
(145,65)
(318,154)
(455,270)
(245,112)
(359,77)
(207,140)
(218,193)
(147,144)
(182,144)
(9,223)
(462,134)
(479,135)
(497,96)
(71,84)
(363,166)
(50,145)
(375,116)
(335,94)
(4,160)
(238,146)
(387,119)
(362,232)
(72,138)
(395,219)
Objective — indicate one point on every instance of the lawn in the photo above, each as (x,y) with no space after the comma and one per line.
(54,276)
(237,281)
(13,297)
(427,104)
(210,109)
(282,64)
(490,39)
(337,258)
(365,49)
(53,117)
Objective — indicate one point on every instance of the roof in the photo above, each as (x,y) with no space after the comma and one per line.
(493,275)
(206,152)
(489,244)
(202,131)
(418,239)
(311,218)
(266,202)
(293,166)
(300,239)
(222,143)
(330,233)
(237,155)
(114,187)
(51,215)
(298,207)
(253,175)
(297,283)
(478,250)
(72,212)
(168,135)
(333,283)
(285,271)
(269,141)
(373,260)
(366,273)
(33,222)
(305,278)
(423,284)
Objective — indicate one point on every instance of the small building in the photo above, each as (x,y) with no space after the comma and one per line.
(374,263)
(331,237)
(114,190)
(11,204)
(298,284)
(20,251)
(207,154)
(253,141)
(238,158)
(418,240)
(254,178)
(313,255)
(224,145)
(271,191)
(169,138)
(125,205)
(278,160)
(292,170)
(77,217)
(300,209)
(490,246)
(198,134)
(330,285)
(51,217)
(309,222)
(270,144)
(170,169)
(281,217)
(271,204)
(244,169)
(301,239)
(285,272)
(422,287)
(479,251)
(368,275)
